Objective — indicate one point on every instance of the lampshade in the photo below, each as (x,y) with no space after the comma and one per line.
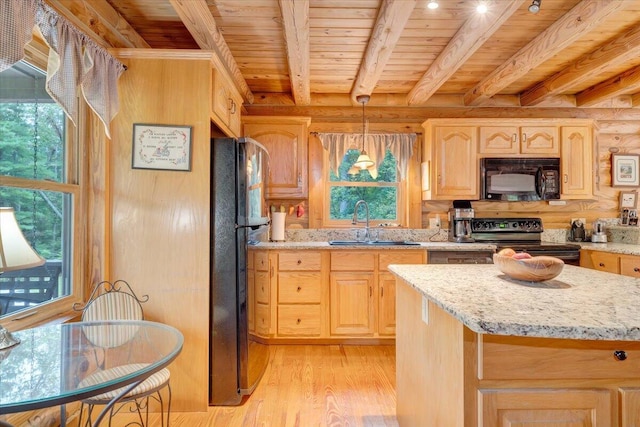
(353,170)
(15,252)
(364,161)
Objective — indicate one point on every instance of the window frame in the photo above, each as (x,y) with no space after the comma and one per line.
(36,53)
(401,202)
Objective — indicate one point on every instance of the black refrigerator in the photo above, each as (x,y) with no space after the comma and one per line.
(239,217)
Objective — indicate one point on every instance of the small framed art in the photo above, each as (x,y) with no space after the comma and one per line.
(624,170)
(164,147)
(628,200)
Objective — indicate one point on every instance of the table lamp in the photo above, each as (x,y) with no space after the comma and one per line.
(15,254)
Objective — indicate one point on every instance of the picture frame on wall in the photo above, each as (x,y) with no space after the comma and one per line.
(161,147)
(624,170)
(628,200)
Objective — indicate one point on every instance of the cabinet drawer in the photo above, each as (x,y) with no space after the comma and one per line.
(294,261)
(353,261)
(261,286)
(606,262)
(400,257)
(299,320)
(630,265)
(549,358)
(299,287)
(261,261)
(263,316)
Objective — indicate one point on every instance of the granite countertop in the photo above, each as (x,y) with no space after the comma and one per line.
(617,248)
(579,303)
(433,246)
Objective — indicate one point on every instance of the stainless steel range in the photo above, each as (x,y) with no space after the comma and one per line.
(522,234)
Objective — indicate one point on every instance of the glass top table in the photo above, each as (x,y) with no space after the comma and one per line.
(48,367)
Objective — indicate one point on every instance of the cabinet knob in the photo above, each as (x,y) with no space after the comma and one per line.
(299,289)
(524,137)
(514,137)
(636,269)
(620,355)
(298,321)
(299,261)
(601,264)
(565,178)
(232,106)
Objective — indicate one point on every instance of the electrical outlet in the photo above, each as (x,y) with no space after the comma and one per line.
(582,220)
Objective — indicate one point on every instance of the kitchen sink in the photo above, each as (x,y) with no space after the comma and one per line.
(372,243)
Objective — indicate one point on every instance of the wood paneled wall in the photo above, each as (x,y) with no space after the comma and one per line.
(160,219)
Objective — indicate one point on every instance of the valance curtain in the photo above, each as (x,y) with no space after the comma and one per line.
(375,144)
(75,61)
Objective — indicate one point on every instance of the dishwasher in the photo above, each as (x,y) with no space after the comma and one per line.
(460,257)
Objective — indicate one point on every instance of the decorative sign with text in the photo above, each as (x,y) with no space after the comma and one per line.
(162,147)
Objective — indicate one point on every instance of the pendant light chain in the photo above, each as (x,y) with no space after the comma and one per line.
(36,119)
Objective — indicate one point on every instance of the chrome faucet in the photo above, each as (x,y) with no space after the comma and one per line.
(355,221)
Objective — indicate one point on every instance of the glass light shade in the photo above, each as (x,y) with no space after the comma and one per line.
(15,252)
(364,161)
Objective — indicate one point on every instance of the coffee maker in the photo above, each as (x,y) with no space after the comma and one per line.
(460,222)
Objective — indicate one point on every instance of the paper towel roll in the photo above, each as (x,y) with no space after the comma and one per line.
(277,226)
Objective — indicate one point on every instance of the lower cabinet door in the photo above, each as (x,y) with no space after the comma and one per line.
(630,406)
(386,304)
(351,306)
(546,407)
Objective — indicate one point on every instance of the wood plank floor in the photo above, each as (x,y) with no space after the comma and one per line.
(311,385)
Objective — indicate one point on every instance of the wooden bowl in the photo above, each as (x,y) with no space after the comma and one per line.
(535,269)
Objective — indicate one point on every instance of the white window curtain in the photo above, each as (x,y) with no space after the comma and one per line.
(376,145)
(75,61)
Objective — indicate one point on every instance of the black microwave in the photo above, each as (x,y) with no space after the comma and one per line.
(518,179)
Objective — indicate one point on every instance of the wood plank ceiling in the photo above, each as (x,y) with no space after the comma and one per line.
(319,53)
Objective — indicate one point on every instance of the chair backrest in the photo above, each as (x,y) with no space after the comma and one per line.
(111,301)
(114,305)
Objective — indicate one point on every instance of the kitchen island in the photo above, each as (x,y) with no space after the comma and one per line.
(476,348)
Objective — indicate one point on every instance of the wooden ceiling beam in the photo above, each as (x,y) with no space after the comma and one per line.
(469,38)
(584,17)
(100,21)
(295,19)
(196,16)
(625,83)
(392,17)
(614,53)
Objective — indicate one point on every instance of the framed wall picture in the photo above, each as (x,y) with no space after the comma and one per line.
(624,170)
(628,200)
(163,147)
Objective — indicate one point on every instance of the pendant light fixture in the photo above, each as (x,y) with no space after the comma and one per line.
(364,161)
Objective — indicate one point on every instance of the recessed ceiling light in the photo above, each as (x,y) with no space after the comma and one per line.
(481,8)
(433,4)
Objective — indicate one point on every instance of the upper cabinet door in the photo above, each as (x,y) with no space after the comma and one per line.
(286,143)
(456,165)
(576,163)
(542,140)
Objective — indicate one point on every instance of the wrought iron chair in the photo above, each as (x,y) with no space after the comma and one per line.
(117,301)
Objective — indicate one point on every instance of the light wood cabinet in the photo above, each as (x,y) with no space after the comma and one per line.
(533,139)
(328,295)
(226,103)
(352,303)
(286,139)
(627,265)
(452,153)
(450,375)
(300,308)
(576,162)
(559,408)
(261,308)
(452,149)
